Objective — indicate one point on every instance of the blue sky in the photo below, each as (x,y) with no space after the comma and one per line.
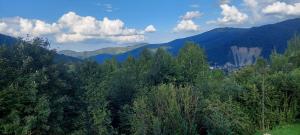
(92,24)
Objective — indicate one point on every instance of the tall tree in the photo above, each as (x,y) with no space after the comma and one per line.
(192,63)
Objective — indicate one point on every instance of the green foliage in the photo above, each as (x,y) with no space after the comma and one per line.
(293,51)
(96,115)
(156,93)
(166,110)
(192,63)
(162,69)
(37,96)
(224,118)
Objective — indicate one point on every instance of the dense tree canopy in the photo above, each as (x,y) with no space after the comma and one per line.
(156,93)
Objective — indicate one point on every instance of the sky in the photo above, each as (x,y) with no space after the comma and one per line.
(83,25)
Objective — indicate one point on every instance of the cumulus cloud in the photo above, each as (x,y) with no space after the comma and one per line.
(270,11)
(20,27)
(71,27)
(82,28)
(191,15)
(230,15)
(283,9)
(186,26)
(150,29)
(254,9)
(61,38)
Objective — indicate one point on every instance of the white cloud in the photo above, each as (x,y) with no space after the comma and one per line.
(230,15)
(251,3)
(2,26)
(186,26)
(283,9)
(73,28)
(254,7)
(191,15)
(42,28)
(270,11)
(61,38)
(20,27)
(150,29)
(82,28)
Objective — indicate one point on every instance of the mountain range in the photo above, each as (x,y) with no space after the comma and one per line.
(108,50)
(7,40)
(236,46)
(223,46)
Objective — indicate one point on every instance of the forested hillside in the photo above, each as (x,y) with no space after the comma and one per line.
(4,39)
(218,43)
(155,93)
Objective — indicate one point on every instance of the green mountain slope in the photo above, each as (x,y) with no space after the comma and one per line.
(108,50)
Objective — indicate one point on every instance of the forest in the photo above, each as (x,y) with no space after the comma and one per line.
(154,94)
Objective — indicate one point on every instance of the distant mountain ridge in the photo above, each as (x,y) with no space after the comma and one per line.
(7,40)
(108,50)
(219,43)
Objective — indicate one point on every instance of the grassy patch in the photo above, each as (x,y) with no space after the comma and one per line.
(291,129)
